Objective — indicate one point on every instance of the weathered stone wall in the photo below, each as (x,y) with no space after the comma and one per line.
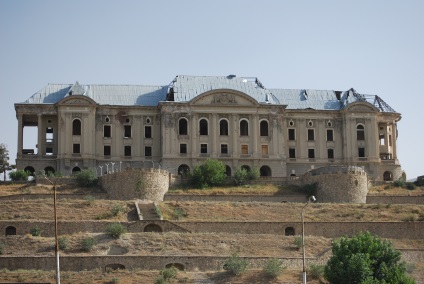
(339,184)
(151,184)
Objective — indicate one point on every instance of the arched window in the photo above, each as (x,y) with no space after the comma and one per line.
(153,228)
(360,132)
(10,231)
(264,128)
(182,126)
(30,169)
(76,127)
(387,176)
(203,127)
(223,127)
(75,170)
(244,128)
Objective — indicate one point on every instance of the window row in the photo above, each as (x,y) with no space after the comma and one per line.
(310,134)
(223,127)
(330,153)
(107,150)
(244,148)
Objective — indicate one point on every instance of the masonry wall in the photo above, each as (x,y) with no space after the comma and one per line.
(151,184)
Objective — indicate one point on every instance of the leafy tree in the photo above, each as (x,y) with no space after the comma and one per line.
(243,175)
(210,173)
(365,259)
(19,175)
(4,160)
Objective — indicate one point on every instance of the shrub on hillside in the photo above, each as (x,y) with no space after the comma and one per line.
(115,230)
(36,231)
(88,244)
(86,178)
(236,265)
(19,175)
(273,267)
(210,173)
(63,243)
(244,176)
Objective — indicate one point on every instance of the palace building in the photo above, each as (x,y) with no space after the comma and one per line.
(282,132)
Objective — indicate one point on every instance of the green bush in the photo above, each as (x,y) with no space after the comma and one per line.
(399,183)
(243,176)
(19,175)
(316,271)
(115,230)
(117,209)
(273,267)
(297,241)
(179,213)
(167,275)
(36,231)
(86,178)
(2,245)
(89,199)
(88,244)
(210,173)
(310,189)
(235,264)
(410,186)
(63,243)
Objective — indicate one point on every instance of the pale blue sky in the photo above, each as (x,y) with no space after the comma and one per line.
(376,47)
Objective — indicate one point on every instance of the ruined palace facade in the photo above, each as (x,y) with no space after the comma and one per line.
(282,132)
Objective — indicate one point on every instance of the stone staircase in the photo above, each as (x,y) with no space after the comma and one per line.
(146,210)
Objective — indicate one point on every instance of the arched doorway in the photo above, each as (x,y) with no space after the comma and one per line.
(10,231)
(227,170)
(75,170)
(49,170)
(246,167)
(114,266)
(183,170)
(153,228)
(178,266)
(289,231)
(30,169)
(265,171)
(387,176)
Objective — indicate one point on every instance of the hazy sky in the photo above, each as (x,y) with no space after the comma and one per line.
(376,47)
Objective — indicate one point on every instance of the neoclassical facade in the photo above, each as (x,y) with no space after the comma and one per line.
(282,132)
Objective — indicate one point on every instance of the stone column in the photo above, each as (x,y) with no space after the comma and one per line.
(20,136)
(255,135)
(393,141)
(214,126)
(194,134)
(235,133)
(40,137)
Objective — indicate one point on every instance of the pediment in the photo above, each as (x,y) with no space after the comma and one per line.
(224,98)
(77,100)
(362,107)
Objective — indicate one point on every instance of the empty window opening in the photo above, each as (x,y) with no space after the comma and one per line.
(244,128)
(10,231)
(153,228)
(30,140)
(76,148)
(127,151)
(292,134)
(311,153)
(265,171)
(182,126)
(49,151)
(381,138)
(361,152)
(387,176)
(76,127)
(106,131)
(148,151)
(390,140)
(330,153)
(204,148)
(311,135)
(264,128)
(223,127)
(30,169)
(183,170)
(330,135)
(203,127)
(183,148)
(106,150)
(49,134)
(147,132)
(224,149)
(127,131)
(360,132)
(244,149)
(292,153)
(289,231)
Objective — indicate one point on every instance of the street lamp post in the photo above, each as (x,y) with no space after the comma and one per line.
(311,199)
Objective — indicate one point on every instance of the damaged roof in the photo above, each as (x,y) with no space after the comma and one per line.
(185,88)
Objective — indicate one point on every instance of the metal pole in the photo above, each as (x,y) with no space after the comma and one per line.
(56,233)
(303,244)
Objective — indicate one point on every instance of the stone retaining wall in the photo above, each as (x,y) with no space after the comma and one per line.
(395,230)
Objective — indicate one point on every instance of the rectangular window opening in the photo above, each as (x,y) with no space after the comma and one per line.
(311,135)
(292,153)
(183,148)
(204,148)
(330,135)
(244,149)
(106,150)
(76,149)
(148,151)
(127,151)
(224,149)
(330,153)
(292,134)
(147,132)
(106,131)
(311,153)
(127,131)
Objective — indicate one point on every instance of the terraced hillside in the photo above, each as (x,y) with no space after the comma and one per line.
(195,234)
